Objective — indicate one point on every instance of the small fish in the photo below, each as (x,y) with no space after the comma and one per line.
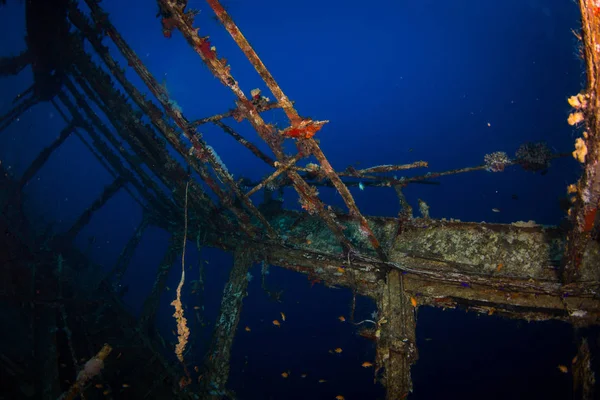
(341,270)
(106,392)
(276,323)
(285,374)
(499,267)
(367,364)
(338,350)
(98,386)
(196,368)
(495,209)
(282,316)
(341,318)
(413,301)
(303,376)
(168,288)
(125,385)
(361,186)
(247,329)
(574,360)
(563,369)
(339,397)
(197,307)
(308,241)
(322,380)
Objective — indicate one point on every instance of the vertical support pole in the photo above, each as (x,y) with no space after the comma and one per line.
(584,381)
(216,364)
(396,349)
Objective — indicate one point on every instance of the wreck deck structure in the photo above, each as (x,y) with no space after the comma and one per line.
(520,270)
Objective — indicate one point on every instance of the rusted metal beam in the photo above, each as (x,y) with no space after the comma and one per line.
(308,195)
(199,149)
(232,113)
(249,145)
(217,361)
(584,214)
(158,200)
(396,337)
(301,128)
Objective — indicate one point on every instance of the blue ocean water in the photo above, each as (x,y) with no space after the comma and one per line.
(399,81)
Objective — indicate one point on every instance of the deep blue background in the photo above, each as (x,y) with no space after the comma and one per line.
(400,81)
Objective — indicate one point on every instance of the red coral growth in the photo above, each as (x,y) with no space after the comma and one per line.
(590,218)
(168,24)
(205,49)
(305,129)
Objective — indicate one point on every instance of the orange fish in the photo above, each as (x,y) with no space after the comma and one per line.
(282,316)
(499,267)
(276,323)
(322,380)
(341,318)
(196,368)
(341,270)
(339,397)
(106,392)
(248,329)
(285,374)
(125,385)
(338,350)
(563,369)
(574,360)
(98,385)
(413,301)
(367,364)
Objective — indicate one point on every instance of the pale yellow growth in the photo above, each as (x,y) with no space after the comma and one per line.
(183,332)
(580,150)
(575,118)
(578,101)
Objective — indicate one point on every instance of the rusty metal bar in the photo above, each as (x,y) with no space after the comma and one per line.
(274,175)
(199,149)
(584,215)
(158,198)
(397,339)
(308,195)
(217,362)
(232,113)
(301,128)
(249,145)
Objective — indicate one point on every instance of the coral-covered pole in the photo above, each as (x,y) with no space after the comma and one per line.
(584,213)
(92,368)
